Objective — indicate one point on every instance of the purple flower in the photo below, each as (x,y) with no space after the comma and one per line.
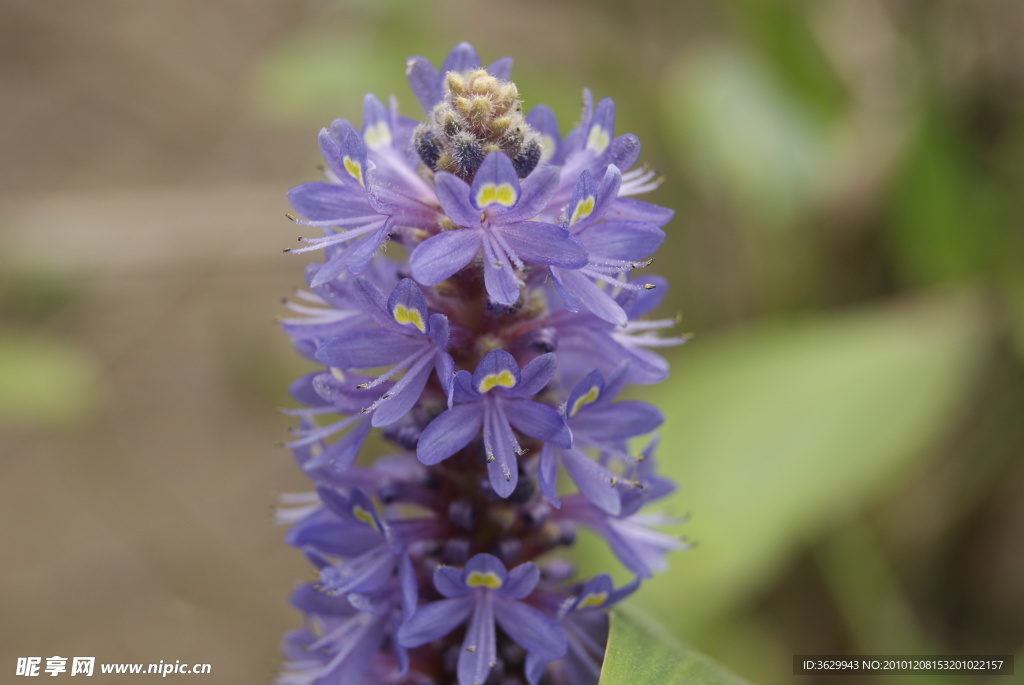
(587,341)
(494,217)
(496,397)
(485,592)
(591,146)
(406,337)
(597,423)
(364,212)
(584,620)
(614,246)
(634,539)
(339,645)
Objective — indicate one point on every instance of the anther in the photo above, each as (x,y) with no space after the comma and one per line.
(649,286)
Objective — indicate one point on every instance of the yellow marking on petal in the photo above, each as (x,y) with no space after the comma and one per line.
(503,194)
(594,599)
(366,517)
(583,401)
(354,169)
(505,379)
(377,135)
(547,147)
(598,139)
(404,315)
(487,579)
(584,208)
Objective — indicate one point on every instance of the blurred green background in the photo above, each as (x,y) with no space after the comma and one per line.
(846,428)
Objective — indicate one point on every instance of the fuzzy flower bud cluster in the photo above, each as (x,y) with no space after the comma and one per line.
(486,349)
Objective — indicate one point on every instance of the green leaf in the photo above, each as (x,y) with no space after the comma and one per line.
(642,653)
(778,432)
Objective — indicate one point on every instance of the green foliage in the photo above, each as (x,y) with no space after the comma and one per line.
(641,653)
(939,226)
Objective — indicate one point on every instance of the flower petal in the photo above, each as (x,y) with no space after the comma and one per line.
(321,201)
(536,191)
(535,376)
(449,433)
(547,474)
(499,277)
(408,306)
(434,621)
(593,480)
(538,421)
(463,57)
(424,81)
(617,421)
(498,368)
(495,183)
(344,152)
(366,349)
(583,291)
(454,195)
(543,121)
(501,68)
(449,581)
(479,654)
(403,396)
(501,447)
(531,629)
(627,240)
(541,243)
(638,210)
(485,565)
(440,256)
(623,152)
(521,581)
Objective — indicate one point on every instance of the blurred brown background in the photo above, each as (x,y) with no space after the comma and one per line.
(848,247)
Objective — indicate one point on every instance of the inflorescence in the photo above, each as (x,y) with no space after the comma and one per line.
(489,357)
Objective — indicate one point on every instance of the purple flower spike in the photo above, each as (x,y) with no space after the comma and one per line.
(507,243)
(484,592)
(494,218)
